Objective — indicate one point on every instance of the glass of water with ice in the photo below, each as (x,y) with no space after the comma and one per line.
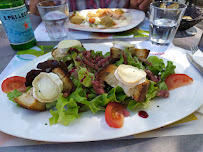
(165,19)
(55,15)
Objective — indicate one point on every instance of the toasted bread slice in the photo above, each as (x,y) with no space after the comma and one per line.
(67,83)
(115,52)
(173,6)
(57,55)
(187,18)
(26,100)
(163,5)
(140,91)
(142,53)
(107,75)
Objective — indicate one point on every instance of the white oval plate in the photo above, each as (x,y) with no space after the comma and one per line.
(136,17)
(27,124)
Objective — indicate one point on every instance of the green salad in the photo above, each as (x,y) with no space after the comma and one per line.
(90,92)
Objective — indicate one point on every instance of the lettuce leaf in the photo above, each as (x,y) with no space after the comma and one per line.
(79,95)
(96,53)
(132,104)
(170,69)
(51,104)
(157,64)
(98,103)
(14,94)
(130,60)
(116,94)
(67,111)
(152,91)
(80,48)
(120,61)
(85,77)
(133,60)
(162,86)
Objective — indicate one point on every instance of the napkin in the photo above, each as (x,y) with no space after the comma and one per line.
(198,58)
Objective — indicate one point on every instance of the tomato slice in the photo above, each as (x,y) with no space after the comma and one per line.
(13,83)
(177,80)
(114,114)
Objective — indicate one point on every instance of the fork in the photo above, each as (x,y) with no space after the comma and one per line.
(194,49)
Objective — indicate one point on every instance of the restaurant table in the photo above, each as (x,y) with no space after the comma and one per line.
(185,143)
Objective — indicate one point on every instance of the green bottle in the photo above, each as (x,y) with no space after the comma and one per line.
(16,22)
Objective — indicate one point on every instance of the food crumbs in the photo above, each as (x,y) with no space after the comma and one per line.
(157,106)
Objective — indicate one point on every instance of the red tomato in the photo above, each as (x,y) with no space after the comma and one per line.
(177,80)
(13,83)
(114,114)
(92,20)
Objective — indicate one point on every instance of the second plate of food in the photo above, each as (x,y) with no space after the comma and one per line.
(106,20)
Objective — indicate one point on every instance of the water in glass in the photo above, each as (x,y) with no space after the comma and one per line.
(56,24)
(162,31)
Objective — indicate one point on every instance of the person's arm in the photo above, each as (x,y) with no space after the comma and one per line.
(140,4)
(33,6)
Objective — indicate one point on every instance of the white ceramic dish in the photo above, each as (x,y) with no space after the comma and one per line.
(136,17)
(88,127)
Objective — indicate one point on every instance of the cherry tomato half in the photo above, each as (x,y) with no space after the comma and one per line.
(13,83)
(114,114)
(177,80)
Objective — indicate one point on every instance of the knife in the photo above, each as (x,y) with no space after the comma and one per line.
(196,65)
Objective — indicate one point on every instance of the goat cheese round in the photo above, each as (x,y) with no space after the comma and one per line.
(47,87)
(64,45)
(128,77)
(122,45)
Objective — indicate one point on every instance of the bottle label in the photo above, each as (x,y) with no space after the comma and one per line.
(17,24)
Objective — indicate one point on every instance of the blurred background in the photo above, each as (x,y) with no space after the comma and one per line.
(188,2)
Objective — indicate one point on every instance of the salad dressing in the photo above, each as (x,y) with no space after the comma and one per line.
(143,114)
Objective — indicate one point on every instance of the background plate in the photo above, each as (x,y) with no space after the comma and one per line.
(88,127)
(137,17)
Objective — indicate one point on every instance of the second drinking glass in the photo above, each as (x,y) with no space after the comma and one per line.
(55,15)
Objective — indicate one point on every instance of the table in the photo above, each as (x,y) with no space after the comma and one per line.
(186,143)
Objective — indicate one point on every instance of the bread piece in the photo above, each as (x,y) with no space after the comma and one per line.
(163,5)
(107,75)
(57,55)
(142,53)
(67,83)
(187,18)
(115,52)
(140,91)
(173,6)
(26,100)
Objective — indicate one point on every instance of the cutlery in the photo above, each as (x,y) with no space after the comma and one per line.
(194,49)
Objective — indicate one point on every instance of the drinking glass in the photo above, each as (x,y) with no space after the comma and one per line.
(165,19)
(55,15)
